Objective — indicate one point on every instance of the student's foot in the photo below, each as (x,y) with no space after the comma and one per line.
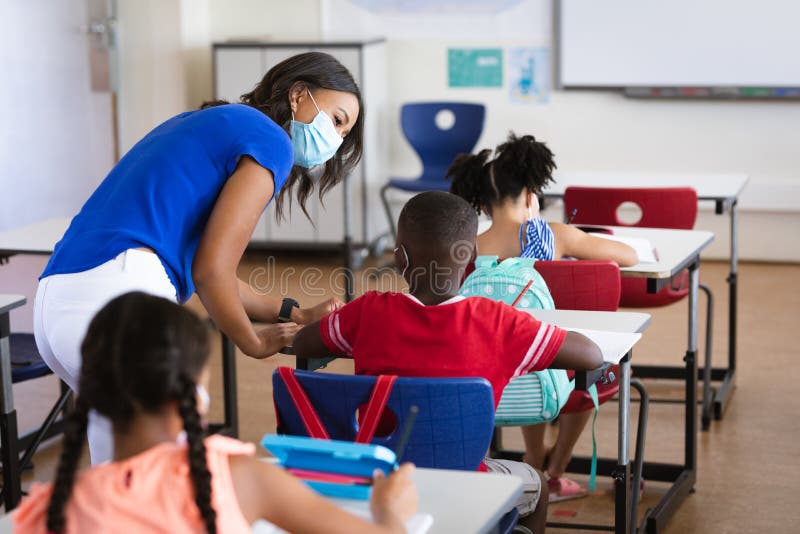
(565,489)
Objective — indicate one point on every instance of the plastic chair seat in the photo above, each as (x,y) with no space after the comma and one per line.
(26,363)
(635,295)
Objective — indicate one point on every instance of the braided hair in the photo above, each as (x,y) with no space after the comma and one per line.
(140,353)
(317,70)
(520,165)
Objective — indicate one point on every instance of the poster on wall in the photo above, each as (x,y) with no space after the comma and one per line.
(475,67)
(528,75)
(437,19)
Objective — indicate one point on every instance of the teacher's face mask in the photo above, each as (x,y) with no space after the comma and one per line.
(314,143)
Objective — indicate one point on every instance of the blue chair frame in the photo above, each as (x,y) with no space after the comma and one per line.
(436,148)
(453,428)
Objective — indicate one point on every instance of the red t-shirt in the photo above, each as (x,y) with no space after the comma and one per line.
(395,334)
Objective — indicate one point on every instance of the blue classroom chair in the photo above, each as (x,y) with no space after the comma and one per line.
(452,430)
(436,147)
(27,364)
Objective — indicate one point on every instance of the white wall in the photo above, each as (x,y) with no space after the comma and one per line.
(165,50)
(592,130)
(587,130)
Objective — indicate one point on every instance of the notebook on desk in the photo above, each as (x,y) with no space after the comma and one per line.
(613,345)
(644,248)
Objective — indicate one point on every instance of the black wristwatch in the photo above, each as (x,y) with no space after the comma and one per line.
(285,315)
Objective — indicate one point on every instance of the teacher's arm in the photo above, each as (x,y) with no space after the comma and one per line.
(265,309)
(224,240)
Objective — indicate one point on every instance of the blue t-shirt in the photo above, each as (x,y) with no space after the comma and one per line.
(161,193)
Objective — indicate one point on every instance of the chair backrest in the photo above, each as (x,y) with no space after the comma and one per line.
(452,430)
(437,147)
(662,207)
(592,285)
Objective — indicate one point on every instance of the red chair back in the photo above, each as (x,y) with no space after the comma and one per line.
(583,285)
(662,207)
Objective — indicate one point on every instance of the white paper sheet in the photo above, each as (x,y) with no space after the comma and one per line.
(643,247)
(613,345)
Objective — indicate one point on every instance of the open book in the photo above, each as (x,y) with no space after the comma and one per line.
(643,247)
(613,345)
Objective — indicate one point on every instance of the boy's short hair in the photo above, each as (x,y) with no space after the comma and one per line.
(438,221)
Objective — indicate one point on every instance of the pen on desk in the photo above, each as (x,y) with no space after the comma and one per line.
(655,254)
(401,445)
(571,216)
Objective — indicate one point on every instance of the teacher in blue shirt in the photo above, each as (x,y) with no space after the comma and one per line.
(174,216)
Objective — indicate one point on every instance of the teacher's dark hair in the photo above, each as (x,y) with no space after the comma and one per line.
(271,96)
(140,353)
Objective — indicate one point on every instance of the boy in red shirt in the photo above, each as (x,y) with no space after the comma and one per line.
(433,332)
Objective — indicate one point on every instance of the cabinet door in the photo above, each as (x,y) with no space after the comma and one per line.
(330,220)
(295,227)
(238,70)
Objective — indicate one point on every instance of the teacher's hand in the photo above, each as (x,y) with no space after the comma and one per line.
(315,313)
(274,337)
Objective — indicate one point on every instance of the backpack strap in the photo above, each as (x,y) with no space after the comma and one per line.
(308,414)
(377,402)
(486,261)
(593,470)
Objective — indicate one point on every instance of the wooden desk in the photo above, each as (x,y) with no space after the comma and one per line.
(41,238)
(8,415)
(721,189)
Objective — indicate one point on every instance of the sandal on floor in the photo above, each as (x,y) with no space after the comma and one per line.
(565,489)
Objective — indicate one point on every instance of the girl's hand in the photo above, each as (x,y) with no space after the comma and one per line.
(274,337)
(315,313)
(394,498)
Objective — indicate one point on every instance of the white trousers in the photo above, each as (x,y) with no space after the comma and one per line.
(66,303)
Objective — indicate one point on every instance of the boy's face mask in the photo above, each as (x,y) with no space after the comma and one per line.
(405,255)
(314,143)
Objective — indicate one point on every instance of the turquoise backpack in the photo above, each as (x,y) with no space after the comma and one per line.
(537,397)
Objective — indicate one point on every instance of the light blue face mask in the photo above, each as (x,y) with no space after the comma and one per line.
(314,143)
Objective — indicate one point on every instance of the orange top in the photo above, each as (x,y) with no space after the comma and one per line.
(149,492)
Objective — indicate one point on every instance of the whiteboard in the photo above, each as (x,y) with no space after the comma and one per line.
(678,43)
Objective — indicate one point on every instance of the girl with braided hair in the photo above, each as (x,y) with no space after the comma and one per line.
(506,188)
(145,368)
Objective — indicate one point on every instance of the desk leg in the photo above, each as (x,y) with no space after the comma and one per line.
(728,383)
(231,426)
(683,484)
(347,245)
(690,449)
(12,489)
(622,474)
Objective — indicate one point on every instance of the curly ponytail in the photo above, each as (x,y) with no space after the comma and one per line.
(74,435)
(198,468)
(521,165)
(471,179)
